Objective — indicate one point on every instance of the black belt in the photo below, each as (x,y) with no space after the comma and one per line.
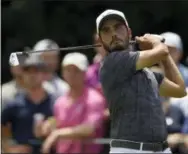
(139,146)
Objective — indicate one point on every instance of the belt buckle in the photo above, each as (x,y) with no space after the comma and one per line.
(154,147)
(164,145)
(160,146)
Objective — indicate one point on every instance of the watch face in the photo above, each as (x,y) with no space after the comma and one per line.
(38,117)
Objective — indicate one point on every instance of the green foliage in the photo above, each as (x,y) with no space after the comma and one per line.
(24,22)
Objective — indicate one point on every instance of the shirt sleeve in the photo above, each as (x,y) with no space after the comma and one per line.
(185,127)
(123,64)
(55,108)
(7,113)
(159,77)
(95,112)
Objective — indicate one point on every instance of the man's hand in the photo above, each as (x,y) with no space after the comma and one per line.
(18,149)
(175,139)
(148,41)
(186,141)
(157,52)
(37,130)
(44,128)
(106,114)
(48,126)
(50,141)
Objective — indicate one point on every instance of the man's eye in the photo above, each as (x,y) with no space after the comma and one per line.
(118,26)
(105,30)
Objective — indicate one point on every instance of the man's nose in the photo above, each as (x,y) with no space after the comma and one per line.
(114,34)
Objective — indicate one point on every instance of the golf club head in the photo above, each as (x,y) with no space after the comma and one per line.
(17,58)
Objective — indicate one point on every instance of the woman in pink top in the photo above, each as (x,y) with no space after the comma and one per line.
(79,114)
(92,74)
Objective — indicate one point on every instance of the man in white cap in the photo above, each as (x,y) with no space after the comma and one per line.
(79,113)
(132,90)
(52,59)
(175,46)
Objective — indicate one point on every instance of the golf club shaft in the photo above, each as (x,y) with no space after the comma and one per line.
(84,47)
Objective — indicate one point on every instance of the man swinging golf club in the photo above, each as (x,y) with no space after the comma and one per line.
(132,90)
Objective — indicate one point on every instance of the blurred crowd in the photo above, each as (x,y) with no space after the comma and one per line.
(44,112)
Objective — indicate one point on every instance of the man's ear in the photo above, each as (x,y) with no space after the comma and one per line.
(130,33)
(97,39)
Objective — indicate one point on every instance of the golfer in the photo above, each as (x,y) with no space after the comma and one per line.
(132,90)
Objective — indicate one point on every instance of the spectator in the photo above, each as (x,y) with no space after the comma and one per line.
(174,43)
(181,103)
(186,144)
(92,79)
(185,127)
(21,112)
(16,86)
(52,59)
(175,118)
(79,113)
(92,74)
(13,87)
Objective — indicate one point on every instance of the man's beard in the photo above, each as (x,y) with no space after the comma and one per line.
(116,47)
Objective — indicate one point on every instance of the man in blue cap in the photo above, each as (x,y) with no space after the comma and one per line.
(26,113)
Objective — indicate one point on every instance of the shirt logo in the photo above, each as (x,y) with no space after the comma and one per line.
(169,121)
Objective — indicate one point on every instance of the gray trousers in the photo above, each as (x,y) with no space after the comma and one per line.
(125,150)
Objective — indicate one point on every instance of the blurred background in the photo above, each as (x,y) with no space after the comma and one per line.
(71,23)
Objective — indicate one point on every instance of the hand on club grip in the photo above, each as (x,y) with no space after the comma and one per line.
(148,41)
